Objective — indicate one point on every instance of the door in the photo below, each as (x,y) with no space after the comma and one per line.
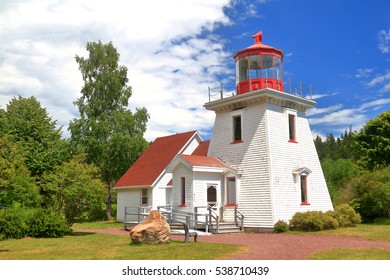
(231,191)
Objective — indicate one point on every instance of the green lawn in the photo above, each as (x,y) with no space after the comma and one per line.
(92,246)
(351,254)
(367,231)
(372,232)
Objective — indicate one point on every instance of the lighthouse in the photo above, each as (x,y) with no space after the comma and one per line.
(262,132)
(259,166)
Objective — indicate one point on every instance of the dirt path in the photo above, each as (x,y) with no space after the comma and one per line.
(277,246)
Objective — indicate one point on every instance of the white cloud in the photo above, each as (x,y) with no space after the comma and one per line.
(384,41)
(165,45)
(320,111)
(381,80)
(363,72)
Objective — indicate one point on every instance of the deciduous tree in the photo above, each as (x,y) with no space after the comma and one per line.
(107,131)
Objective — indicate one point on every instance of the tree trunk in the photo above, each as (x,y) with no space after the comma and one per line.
(108,203)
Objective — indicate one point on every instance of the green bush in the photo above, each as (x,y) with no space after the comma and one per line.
(343,216)
(307,221)
(372,194)
(280,226)
(329,222)
(313,221)
(46,223)
(17,222)
(346,216)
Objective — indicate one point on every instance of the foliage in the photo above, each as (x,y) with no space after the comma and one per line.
(16,184)
(336,148)
(372,192)
(47,223)
(280,226)
(108,133)
(373,142)
(30,125)
(346,216)
(312,221)
(343,216)
(17,222)
(338,173)
(75,189)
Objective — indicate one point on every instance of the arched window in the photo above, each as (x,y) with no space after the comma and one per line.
(211,195)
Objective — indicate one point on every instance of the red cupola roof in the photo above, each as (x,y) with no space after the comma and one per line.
(258,66)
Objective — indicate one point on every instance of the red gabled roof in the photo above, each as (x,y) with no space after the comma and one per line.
(204,161)
(202,149)
(154,160)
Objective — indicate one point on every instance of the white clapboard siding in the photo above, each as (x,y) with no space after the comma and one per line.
(125,198)
(250,156)
(286,157)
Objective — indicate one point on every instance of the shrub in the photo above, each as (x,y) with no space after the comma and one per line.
(307,221)
(346,216)
(46,223)
(280,226)
(17,222)
(329,221)
(13,223)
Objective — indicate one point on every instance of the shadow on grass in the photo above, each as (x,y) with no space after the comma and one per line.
(78,233)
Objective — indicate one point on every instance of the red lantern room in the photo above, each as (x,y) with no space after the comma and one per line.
(258,66)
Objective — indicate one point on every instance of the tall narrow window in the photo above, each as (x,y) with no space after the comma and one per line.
(304,189)
(237,137)
(144,196)
(231,191)
(291,128)
(182,191)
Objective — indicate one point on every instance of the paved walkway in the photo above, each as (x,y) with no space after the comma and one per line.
(276,246)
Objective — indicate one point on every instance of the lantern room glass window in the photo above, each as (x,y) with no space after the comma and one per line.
(258,66)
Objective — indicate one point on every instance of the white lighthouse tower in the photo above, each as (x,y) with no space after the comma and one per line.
(263,133)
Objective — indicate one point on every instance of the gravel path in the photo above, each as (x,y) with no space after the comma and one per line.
(276,246)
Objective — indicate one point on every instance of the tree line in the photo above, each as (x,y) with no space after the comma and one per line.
(356,168)
(72,178)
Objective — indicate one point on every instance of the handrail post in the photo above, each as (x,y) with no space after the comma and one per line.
(139,214)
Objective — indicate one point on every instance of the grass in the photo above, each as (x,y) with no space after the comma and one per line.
(93,246)
(372,232)
(351,254)
(97,225)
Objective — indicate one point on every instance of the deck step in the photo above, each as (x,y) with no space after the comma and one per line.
(228,227)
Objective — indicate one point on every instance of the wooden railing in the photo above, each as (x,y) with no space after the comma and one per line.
(137,213)
(238,218)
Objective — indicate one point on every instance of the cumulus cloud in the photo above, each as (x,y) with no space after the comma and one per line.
(168,46)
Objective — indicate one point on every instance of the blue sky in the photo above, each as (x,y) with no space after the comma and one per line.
(175,50)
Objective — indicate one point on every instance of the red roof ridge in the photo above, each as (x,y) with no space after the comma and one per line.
(152,163)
